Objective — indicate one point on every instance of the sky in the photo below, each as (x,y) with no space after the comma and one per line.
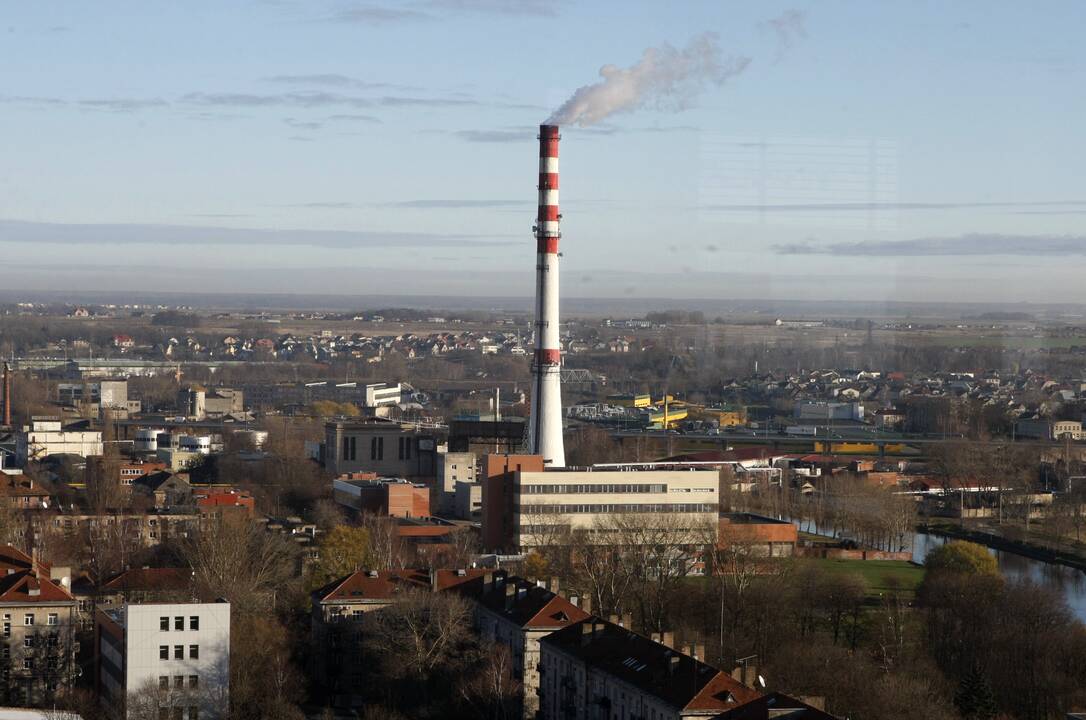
(837,150)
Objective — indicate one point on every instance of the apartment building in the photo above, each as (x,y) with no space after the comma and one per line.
(519,614)
(37,641)
(166,659)
(598,670)
(570,500)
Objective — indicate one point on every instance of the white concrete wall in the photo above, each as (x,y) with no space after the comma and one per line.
(143,637)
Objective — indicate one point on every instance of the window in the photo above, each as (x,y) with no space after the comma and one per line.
(164,623)
(194,622)
(7,629)
(194,652)
(179,622)
(28,619)
(163,652)
(178,652)
(194,682)
(28,642)
(163,682)
(194,712)
(28,664)
(179,681)
(54,619)
(6,652)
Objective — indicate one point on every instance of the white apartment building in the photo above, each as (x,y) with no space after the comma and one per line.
(46,436)
(172,656)
(577,499)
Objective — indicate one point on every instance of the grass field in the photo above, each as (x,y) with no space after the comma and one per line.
(880,575)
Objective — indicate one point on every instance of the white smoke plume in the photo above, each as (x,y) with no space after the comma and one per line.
(665,79)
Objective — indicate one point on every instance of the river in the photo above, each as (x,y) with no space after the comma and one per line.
(1067,581)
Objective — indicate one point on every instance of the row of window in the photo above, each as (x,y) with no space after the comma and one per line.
(178,652)
(178,682)
(178,622)
(567,489)
(377,448)
(594,508)
(28,621)
(178,713)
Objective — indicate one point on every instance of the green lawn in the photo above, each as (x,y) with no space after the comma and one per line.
(880,575)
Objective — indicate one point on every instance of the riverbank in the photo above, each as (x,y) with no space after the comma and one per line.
(998,542)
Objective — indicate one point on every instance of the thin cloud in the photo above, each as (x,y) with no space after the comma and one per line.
(376,15)
(18,231)
(974,244)
(291,99)
(354,118)
(334,80)
(32,100)
(123,104)
(394,101)
(425,10)
(893,206)
(302,124)
(456,204)
(494,136)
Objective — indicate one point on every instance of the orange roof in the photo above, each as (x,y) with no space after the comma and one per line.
(27,587)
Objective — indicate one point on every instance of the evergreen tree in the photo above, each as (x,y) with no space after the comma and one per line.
(974,697)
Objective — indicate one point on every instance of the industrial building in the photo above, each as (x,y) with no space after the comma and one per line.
(579,499)
(46,436)
(380,446)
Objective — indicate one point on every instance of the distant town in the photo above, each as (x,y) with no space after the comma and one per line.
(318,514)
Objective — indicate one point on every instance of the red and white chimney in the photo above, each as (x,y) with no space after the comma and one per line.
(545,424)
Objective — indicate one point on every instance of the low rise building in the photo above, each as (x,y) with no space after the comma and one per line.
(46,436)
(392,497)
(758,535)
(166,659)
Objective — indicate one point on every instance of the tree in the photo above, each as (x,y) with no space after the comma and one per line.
(974,697)
(343,550)
(264,683)
(491,689)
(961,557)
(238,559)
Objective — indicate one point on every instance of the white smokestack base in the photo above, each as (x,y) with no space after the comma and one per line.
(665,78)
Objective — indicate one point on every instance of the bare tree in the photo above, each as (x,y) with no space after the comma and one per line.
(238,559)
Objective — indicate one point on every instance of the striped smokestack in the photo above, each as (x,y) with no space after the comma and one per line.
(545,424)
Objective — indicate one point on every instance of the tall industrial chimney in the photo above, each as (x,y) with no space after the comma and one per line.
(545,424)
(7,394)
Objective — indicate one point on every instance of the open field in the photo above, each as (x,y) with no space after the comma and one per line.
(881,576)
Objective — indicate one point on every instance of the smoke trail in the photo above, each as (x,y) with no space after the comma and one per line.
(665,78)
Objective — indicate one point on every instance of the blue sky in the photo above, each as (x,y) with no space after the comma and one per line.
(869,151)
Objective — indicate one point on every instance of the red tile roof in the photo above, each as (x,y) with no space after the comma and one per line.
(380,585)
(151,580)
(677,679)
(27,587)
